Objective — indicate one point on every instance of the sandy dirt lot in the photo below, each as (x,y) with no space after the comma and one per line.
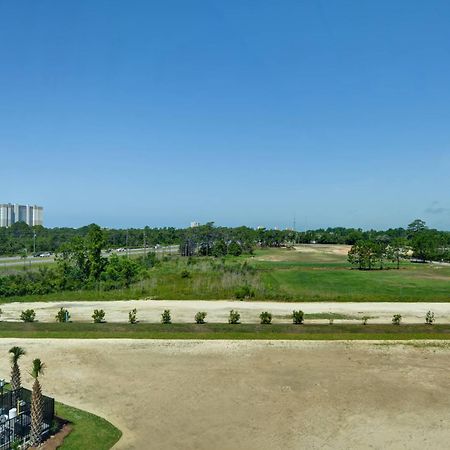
(252,395)
(218,310)
(318,250)
(334,249)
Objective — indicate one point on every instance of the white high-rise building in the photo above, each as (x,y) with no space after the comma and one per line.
(12,213)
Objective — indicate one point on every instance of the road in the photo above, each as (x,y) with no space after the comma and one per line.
(218,310)
(18,260)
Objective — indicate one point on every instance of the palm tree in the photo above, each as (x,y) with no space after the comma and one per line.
(16,353)
(37,404)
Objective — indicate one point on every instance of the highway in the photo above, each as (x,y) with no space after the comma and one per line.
(6,261)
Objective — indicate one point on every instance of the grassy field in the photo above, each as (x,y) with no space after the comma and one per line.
(224,331)
(89,431)
(323,275)
(309,273)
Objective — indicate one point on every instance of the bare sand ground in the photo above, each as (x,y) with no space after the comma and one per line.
(252,394)
(336,249)
(218,310)
(319,250)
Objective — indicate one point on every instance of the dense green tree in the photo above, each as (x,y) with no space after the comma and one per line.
(365,254)
(425,245)
(219,248)
(234,249)
(121,271)
(95,242)
(353,237)
(416,226)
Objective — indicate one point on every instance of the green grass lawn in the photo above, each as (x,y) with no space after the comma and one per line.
(312,277)
(89,431)
(406,284)
(224,331)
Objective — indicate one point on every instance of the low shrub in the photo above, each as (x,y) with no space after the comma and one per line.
(28,315)
(266,318)
(244,292)
(200,317)
(331,321)
(16,444)
(235,317)
(99,316)
(132,316)
(364,320)
(165,316)
(298,317)
(396,319)
(185,274)
(429,318)
(54,427)
(62,315)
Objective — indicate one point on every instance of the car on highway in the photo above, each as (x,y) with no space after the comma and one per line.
(42,255)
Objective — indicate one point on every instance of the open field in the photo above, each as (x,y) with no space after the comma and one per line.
(253,394)
(183,311)
(321,272)
(307,273)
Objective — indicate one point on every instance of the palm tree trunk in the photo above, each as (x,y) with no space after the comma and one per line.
(37,405)
(15,377)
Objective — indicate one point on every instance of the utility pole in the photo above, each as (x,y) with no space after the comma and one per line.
(126,245)
(145,244)
(34,242)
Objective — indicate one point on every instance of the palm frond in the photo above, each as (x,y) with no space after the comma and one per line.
(38,368)
(16,353)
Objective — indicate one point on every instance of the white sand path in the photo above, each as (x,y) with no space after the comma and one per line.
(218,310)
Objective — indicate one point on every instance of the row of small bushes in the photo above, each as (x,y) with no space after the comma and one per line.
(63,315)
(234,317)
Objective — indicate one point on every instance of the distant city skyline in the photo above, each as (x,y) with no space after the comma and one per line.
(11,213)
(33,215)
(241,113)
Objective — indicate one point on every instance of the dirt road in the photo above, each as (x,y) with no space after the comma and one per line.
(252,395)
(218,310)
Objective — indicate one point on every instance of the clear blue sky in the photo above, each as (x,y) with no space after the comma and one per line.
(129,113)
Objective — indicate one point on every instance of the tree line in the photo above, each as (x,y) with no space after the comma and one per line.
(419,242)
(202,239)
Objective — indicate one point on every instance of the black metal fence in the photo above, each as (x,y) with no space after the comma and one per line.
(15,417)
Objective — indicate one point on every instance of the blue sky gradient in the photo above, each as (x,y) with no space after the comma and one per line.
(239,112)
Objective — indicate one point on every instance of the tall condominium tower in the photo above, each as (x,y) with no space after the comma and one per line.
(31,215)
